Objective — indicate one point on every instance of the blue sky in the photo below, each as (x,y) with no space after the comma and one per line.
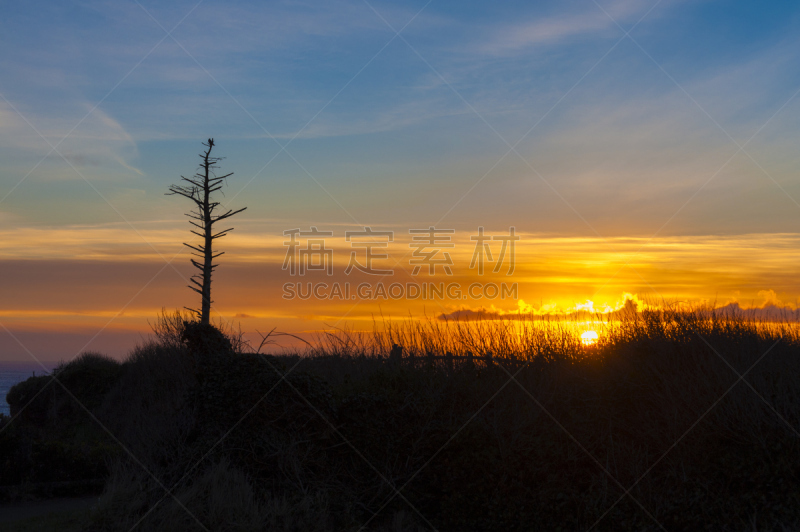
(420,118)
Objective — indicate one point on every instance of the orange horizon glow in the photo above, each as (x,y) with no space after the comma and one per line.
(87,278)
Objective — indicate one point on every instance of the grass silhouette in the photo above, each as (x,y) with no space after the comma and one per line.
(675,419)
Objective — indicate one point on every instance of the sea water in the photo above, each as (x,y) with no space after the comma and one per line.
(13,372)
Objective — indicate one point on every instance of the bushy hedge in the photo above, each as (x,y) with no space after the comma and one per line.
(52,437)
(336,442)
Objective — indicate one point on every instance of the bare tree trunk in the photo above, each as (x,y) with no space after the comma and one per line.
(209,241)
(200,190)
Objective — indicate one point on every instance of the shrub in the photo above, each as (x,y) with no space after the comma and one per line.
(219,497)
(170,330)
(323,441)
(65,396)
(19,399)
(89,377)
(202,339)
(149,409)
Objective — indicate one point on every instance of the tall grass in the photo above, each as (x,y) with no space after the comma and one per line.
(529,337)
(672,403)
(674,418)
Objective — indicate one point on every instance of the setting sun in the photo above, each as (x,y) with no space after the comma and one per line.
(589,338)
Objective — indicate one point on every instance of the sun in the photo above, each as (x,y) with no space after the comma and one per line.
(589,338)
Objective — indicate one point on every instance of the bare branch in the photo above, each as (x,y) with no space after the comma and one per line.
(222,233)
(182,192)
(228,214)
(199,189)
(201,251)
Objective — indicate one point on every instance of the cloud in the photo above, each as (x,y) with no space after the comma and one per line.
(382,119)
(543,31)
(629,303)
(767,312)
(81,159)
(15,133)
(771,309)
(590,20)
(98,141)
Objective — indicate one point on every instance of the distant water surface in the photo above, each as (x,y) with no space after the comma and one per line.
(13,372)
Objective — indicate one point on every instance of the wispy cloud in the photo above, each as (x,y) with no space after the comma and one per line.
(549,29)
(99,141)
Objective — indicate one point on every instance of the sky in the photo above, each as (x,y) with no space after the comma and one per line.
(641,150)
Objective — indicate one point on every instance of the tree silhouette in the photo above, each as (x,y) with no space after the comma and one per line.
(200,189)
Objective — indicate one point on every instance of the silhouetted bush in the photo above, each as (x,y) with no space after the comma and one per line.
(170,330)
(220,497)
(21,396)
(53,435)
(203,339)
(324,441)
(150,409)
(88,378)
(79,385)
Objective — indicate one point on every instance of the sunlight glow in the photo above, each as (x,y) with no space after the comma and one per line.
(589,338)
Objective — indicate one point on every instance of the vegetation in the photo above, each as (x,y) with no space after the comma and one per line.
(674,420)
(52,444)
(68,521)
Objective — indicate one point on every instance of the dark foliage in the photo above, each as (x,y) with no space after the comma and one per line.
(52,436)
(326,442)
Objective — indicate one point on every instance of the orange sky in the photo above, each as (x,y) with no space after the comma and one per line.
(56,303)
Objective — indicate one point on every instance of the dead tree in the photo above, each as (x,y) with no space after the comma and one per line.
(200,188)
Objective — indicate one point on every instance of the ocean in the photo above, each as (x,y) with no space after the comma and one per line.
(13,372)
